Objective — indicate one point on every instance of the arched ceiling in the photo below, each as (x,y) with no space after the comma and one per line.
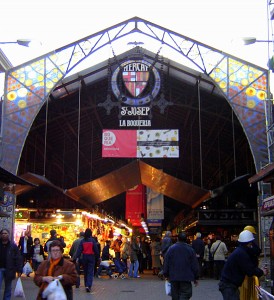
(213,147)
(28,86)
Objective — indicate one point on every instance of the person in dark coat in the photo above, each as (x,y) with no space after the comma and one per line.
(10,262)
(134,263)
(73,252)
(199,247)
(140,254)
(255,251)
(239,264)
(181,268)
(24,245)
(97,257)
(166,243)
(53,237)
(105,260)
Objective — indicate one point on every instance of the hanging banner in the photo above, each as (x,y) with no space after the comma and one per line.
(135,205)
(155,206)
(140,143)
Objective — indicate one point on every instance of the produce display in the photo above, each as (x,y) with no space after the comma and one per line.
(42,231)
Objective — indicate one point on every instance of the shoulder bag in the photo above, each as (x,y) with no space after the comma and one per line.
(215,250)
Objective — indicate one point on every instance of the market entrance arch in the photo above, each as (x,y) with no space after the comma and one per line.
(28,86)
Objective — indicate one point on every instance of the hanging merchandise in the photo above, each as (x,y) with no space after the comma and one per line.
(111,235)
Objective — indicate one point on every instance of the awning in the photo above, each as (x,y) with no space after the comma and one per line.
(7,177)
(266,174)
(121,180)
(36,181)
(135,173)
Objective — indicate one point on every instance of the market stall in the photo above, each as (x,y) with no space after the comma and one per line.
(68,224)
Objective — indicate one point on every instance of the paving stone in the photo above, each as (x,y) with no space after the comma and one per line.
(148,287)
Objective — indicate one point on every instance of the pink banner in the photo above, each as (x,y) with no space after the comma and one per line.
(119,143)
(140,143)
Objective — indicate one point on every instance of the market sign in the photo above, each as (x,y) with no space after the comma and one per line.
(21,214)
(135,76)
(140,79)
(135,84)
(268,203)
(140,143)
(226,217)
(154,222)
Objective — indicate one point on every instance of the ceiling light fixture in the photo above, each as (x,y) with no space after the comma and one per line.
(253,40)
(21,42)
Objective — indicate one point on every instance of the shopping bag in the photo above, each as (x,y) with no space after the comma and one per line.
(54,291)
(39,258)
(19,291)
(263,294)
(168,288)
(27,269)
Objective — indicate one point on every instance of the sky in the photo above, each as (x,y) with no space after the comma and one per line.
(56,23)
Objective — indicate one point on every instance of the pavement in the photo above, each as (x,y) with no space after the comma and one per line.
(148,287)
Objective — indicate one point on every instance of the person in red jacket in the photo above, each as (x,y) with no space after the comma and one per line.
(88,248)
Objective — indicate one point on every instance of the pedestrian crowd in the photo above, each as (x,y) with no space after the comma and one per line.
(203,257)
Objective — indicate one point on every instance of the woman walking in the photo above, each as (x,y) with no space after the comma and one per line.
(134,263)
(155,247)
(37,254)
(56,268)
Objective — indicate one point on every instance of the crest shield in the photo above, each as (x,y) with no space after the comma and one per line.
(135,81)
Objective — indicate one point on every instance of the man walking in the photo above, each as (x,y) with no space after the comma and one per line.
(166,243)
(10,262)
(73,253)
(53,237)
(24,245)
(219,252)
(256,250)
(239,264)
(181,268)
(199,247)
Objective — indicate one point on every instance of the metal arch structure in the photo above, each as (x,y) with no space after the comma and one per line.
(28,86)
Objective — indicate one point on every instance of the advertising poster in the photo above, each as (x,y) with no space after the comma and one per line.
(140,143)
(155,207)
